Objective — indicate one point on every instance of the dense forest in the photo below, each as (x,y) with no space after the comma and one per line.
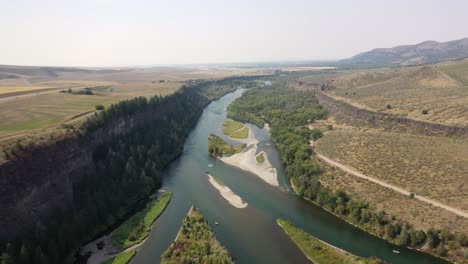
(127,170)
(288,111)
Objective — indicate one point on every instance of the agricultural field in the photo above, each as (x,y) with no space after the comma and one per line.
(434,167)
(436,93)
(37,118)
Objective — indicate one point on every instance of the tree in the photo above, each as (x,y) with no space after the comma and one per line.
(404,238)
(24,255)
(39,257)
(99,107)
(441,250)
(433,238)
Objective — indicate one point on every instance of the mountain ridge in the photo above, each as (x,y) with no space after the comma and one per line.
(426,52)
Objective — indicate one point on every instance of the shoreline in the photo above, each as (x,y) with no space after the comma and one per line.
(362,228)
(234,199)
(246,160)
(108,250)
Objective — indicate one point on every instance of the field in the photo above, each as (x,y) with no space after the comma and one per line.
(38,118)
(235,129)
(417,213)
(196,243)
(318,251)
(434,167)
(123,258)
(437,94)
(137,228)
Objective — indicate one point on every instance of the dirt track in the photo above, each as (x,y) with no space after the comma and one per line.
(393,187)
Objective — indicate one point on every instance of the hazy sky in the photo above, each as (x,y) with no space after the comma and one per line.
(138,32)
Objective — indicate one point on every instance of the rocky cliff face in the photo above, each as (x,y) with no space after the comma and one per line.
(350,114)
(41,181)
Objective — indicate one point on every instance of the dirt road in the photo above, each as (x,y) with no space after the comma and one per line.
(393,187)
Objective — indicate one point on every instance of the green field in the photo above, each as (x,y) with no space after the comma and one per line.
(137,228)
(220,148)
(235,129)
(123,258)
(318,251)
(260,158)
(196,243)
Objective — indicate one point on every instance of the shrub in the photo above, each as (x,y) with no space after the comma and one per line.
(99,107)
(389,106)
(425,112)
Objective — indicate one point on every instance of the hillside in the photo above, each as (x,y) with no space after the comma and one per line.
(436,94)
(422,53)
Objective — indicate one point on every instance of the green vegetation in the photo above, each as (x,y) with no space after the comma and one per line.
(235,130)
(122,258)
(99,107)
(125,170)
(196,243)
(260,158)
(220,148)
(288,111)
(137,228)
(318,251)
(219,181)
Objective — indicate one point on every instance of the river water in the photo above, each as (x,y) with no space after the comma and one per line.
(251,234)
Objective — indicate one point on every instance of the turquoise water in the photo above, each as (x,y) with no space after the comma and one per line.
(251,234)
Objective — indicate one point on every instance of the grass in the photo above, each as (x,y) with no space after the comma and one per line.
(122,258)
(442,90)
(235,129)
(260,158)
(196,243)
(219,181)
(38,118)
(137,228)
(218,147)
(417,213)
(430,166)
(318,251)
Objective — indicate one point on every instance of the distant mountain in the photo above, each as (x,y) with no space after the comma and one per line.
(422,53)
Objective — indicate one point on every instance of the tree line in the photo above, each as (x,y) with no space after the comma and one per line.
(288,111)
(126,170)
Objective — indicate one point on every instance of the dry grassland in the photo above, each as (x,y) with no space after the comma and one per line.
(419,214)
(435,167)
(441,91)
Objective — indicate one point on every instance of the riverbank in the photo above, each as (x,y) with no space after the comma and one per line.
(227,193)
(246,160)
(196,243)
(319,251)
(129,236)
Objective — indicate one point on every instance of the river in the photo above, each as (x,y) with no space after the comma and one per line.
(251,234)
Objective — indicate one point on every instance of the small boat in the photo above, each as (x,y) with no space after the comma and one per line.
(396,251)
(210,165)
(216,223)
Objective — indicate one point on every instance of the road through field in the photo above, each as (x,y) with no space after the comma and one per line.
(390,186)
